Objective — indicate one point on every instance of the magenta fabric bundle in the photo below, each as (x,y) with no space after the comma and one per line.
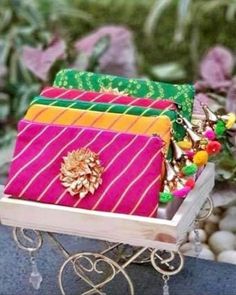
(130,179)
(75,94)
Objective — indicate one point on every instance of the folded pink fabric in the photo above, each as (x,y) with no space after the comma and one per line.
(130,180)
(75,94)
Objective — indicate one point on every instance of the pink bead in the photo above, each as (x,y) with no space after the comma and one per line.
(182,193)
(190,154)
(210,134)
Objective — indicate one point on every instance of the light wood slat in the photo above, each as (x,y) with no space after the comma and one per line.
(133,230)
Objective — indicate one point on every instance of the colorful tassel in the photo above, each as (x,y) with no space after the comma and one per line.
(213,147)
(211,117)
(231,120)
(220,128)
(190,154)
(166,197)
(189,169)
(200,158)
(182,193)
(210,134)
(185,144)
(190,183)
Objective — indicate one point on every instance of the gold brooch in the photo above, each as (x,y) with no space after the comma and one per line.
(111,90)
(81,172)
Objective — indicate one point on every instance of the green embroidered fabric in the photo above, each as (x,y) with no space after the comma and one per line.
(183,94)
(179,131)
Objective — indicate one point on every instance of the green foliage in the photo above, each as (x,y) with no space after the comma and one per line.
(198,29)
(32,23)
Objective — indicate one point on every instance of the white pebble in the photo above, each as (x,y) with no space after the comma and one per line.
(204,254)
(213,218)
(231,211)
(221,241)
(227,256)
(228,223)
(202,236)
(186,247)
(205,246)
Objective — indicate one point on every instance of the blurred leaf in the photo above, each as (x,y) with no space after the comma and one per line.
(39,61)
(13,68)
(231,12)
(99,49)
(5,47)
(26,93)
(5,19)
(8,137)
(182,16)
(4,107)
(212,5)
(169,71)
(109,49)
(155,13)
(218,64)
(224,194)
(231,97)
(225,165)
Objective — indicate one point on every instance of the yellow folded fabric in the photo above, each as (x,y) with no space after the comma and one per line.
(160,125)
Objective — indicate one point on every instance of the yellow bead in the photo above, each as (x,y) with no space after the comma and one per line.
(185,144)
(231,120)
(200,158)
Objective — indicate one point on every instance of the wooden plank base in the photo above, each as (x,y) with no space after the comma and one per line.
(133,230)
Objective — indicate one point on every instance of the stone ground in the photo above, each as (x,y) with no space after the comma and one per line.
(199,277)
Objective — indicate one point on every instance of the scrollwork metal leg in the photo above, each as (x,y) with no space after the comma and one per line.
(167,263)
(204,213)
(96,270)
(87,264)
(206,210)
(124,252)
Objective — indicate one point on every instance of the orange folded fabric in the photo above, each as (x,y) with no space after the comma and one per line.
(160,125)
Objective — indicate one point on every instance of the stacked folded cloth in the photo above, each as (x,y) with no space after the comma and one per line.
(113,144)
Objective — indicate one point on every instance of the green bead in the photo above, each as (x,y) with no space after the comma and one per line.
(220,128)
(166,197)
(189,170)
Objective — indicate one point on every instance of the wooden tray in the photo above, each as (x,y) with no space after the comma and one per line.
(133,230)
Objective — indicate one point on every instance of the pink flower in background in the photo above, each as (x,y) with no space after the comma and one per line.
(216,81)
(200,98)
(40,61)
(231,97)
(216,69)
(118,59)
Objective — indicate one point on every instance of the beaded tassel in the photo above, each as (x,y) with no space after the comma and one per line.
(35,278)
(166,286)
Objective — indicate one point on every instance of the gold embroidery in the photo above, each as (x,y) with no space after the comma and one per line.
(81,172)
(111,90)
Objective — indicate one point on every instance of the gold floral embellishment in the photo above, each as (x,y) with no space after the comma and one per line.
(81,172)
(114,91)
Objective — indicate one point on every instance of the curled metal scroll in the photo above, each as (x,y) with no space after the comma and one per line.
(167,262)
(27,239)
(86,265)
(206,210)
(124,252)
